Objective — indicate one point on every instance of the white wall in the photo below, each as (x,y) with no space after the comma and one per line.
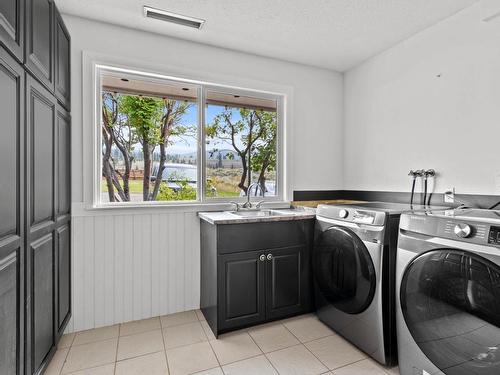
(121,269)
(399,115)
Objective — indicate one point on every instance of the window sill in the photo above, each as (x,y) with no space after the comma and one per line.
(82,209)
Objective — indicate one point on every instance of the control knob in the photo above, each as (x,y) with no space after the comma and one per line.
(462,230)
(343,213)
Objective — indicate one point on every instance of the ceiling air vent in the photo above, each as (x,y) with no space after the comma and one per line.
(178,19)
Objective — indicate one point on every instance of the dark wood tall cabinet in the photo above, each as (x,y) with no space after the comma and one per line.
(39,42)
(12,27)
(62,42)
(35,184)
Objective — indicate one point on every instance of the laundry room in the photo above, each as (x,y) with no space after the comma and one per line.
(250,187)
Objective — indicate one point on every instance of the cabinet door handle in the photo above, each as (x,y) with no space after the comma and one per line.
(262,258)
(269,256)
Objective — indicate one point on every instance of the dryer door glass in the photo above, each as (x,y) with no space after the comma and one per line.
(451,304)
(343,270)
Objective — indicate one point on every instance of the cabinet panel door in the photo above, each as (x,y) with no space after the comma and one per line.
(41,112)
(12,26)
(11,169)
(287,281)
(63,275)
(41,299)
(11,312)
(241,289)
(62,61)
(63,162)
(39,48)
(11,214)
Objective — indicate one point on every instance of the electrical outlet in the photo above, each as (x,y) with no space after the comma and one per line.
(449,196)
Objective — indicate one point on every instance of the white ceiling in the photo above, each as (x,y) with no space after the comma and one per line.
(333,34)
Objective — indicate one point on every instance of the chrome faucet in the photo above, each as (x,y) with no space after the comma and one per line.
(248,204)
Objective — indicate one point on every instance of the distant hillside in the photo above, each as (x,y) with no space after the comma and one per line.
(223,154)
(210,155)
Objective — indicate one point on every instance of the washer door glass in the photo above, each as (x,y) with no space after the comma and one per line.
(343,270)
(451,304)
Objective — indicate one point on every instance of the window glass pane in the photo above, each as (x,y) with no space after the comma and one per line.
(149,140)
(241,145)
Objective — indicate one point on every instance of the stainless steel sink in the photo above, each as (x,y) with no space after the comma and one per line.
(256,213)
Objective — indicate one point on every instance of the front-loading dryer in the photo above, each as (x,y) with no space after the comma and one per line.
(448,293)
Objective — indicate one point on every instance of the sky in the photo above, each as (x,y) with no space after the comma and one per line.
(186,145)
(180,146)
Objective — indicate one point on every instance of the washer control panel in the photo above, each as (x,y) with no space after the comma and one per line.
(363,217)
(343,213)
(462,230)
(351,213)
(494,235)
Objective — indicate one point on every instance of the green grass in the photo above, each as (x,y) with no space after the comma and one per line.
(135,186)
(224,180)
(226,194)
(223,190)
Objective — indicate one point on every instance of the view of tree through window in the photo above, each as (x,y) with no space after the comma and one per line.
(149,148)
(149,142)
(241,138)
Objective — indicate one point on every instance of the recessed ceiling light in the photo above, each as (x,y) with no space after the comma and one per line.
(124,79)
(178,19)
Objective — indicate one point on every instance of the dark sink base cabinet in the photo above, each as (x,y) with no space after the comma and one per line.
(255,272)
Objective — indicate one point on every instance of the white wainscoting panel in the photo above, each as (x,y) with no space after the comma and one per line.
(133,266)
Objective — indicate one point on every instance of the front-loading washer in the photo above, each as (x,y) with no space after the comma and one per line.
(353,270)
(448,292)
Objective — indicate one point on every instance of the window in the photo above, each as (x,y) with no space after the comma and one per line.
(170,140)
(240,138)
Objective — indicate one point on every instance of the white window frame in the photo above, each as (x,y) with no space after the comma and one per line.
(203,87)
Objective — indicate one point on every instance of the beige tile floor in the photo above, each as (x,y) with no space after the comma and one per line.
(182,343)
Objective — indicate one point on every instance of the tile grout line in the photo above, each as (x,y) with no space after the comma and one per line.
(206,336)
(209,343)
(239,360)
(89,368)
(117,345)
(164,348)
(213,351)
(263,353)
(65,357)
(319,338)
(303,344)
(277,350)
(67,354)
(98,340)
(138,356)
(352,363)
(361,360)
